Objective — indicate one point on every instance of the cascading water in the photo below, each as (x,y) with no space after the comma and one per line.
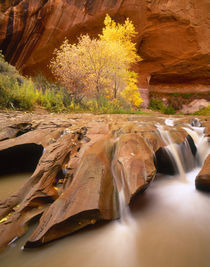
(172,150)
(182,156)
(128,229)
(124,211)
(201,142)
(125,229)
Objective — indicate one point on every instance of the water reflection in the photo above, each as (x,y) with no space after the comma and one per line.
(10,183)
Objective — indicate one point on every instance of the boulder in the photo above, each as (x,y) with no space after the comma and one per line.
(132,165)
(207,129)
(186,151)
(202,181)
(90,197)
(195,106)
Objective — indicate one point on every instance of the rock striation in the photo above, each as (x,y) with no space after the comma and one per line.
(173,37)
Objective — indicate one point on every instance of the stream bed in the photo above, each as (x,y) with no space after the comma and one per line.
(169,226)
(166,226)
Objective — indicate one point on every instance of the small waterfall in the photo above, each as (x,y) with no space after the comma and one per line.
(125,229)
(172,150)
(124,211)
(126,218)
(188,155)
(201,142)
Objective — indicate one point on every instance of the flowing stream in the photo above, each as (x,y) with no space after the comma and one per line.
(167,226)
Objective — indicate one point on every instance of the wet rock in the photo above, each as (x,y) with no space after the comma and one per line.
(39,191)
(90,197)
(132,166)
(192,145)
(196,122)
(202,181)
(207,129)
(164,162)
(186,151)
(8,133)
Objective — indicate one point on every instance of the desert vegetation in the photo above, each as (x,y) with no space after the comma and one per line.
(18,92)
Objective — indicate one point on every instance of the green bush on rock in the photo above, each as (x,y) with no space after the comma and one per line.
(158,105)
(203,111)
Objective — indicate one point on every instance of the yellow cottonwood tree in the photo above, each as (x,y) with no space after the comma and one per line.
(98,66)
(131,92)
(87,68)
(123,34)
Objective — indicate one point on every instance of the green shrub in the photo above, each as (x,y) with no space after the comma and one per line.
(169,110)
(51,95)
(13,95)
(103,105)
(24,96)
(51,100)
(21,93)
(186,95)
(15,91)
(5,94)
(157,104)
(176,94)
(203,111)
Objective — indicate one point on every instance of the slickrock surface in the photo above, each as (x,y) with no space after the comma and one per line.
(81,162)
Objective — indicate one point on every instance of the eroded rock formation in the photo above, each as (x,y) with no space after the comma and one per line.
(85,162)
(173,37)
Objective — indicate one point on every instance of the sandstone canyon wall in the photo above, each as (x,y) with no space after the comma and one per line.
(173,36)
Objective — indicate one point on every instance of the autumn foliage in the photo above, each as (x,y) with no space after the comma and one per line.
(100,67)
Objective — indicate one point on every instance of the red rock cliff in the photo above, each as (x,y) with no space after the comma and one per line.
(173,36)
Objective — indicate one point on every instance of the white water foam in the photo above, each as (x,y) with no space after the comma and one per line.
(201,142)
(169,122)
(172,148)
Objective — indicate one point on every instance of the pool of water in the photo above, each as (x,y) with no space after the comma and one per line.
(169,226)
(10,183)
